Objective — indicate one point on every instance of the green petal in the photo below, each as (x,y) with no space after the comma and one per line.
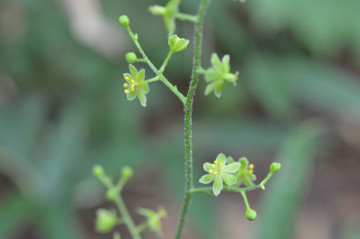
(251,176)
(144,87)
(146,212)
(133,71)
(221,158)
(140,77)
(142,97)
(210,88)
(212,75)
(244,163)
(220,86)
(207,178)
(247,182)
(229,179)
(225,62)
(218,185)
(131,95)
(231,168)
(127,75)
(215,61)
(230,160)
(169,24)
(207,166)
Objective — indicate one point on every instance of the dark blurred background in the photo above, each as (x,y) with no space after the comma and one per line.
(62,110)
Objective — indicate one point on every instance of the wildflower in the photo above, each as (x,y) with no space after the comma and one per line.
(177,44)
(135,85)
(245,174)
(219,74)
(219,172)
(154,218)
(168,13)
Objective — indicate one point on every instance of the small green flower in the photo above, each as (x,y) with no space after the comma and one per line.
(219,172)
(219,74)
(168,13)
(154,218)
(136,86)
(177,44)
(245,174)
(106,220)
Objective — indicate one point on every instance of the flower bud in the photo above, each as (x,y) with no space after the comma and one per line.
(98,171)
(124,20)
(105,220)
(131,57)
(127,172)
(157,10)
(275,167)
(251,214)
(177,44)
(111,194)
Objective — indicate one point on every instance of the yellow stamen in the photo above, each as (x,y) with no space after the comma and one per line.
(221,164)
(126,91)
(213,165)
(132,88)
(251,170)
(132,82)
(251,166)
(210,171)
(178,38)
(127,78)
(215,172)
(215,162)
(126,85)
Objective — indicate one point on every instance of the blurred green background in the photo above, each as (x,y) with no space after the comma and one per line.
(62,110)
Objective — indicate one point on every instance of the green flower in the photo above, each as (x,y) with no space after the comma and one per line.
(219,172)
(168,13)
(154,218)
(136,86)
(177,44)
(219,74)
(245,174)
(105,220)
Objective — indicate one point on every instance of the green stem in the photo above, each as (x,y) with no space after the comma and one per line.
(153,68)
(245,200)
(188,116)
(186,17)
(156,78)
(162,68)
(127,218)
(263,182)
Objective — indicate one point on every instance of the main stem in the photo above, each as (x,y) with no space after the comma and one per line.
(188,116)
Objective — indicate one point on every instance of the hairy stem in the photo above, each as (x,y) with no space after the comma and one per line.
(188,116)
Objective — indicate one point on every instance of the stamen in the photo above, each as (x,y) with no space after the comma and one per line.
(251,166)
(213,165)
(251,170)
(215,162)
(132,82)
(126,91)
(126,85)
(127,78)
(221,164)
(132,88)
(215,172)
(210,171)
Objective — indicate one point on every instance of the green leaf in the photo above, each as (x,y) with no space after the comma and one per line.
(218,185)
(207,178)
(231,168)
(285,190)
(229,179)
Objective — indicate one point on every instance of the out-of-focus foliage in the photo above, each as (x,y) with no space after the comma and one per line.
(62,106)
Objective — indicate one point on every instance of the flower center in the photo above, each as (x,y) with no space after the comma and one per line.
(251,168)
(130,86)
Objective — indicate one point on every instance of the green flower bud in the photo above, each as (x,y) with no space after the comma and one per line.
(157,10)
(251,214)
(124,20)
(127,172)
(111,194)
(275,167)
(98,171)
(131,57)
(177,44)
(105,220)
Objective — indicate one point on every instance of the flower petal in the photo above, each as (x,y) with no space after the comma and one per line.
(133,71)
(207,166)
(131,95)
(225,63)
(229,179)
(218,185)
(231,168)
(144,87)
(221,158)
(140,76)
(142,97)
(244,163)
(210,88)
(127,76)
(230,160)
(215,61)
(207,178)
